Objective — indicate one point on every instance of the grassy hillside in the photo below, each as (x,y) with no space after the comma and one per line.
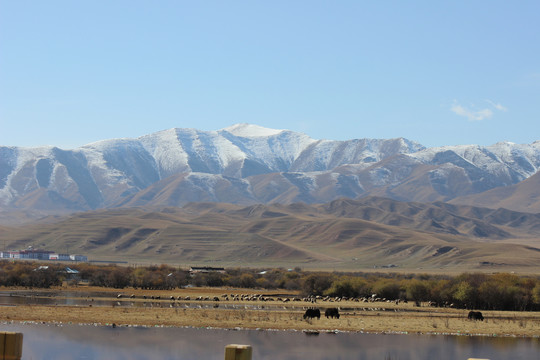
(344,235)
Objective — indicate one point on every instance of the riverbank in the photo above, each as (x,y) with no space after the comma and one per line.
(129,307)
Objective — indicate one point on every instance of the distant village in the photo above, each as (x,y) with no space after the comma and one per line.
(33,254)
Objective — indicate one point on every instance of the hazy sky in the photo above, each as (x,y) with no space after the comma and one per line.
(440,73)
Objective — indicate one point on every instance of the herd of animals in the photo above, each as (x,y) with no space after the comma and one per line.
(316,313)
(334,313)
(311,313)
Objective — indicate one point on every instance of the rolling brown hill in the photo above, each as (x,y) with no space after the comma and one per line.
(523,196)
(344,234)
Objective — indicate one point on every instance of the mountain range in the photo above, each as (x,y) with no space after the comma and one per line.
(247,164)
(252,196)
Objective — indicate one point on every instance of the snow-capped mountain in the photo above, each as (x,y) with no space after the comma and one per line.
(250,164)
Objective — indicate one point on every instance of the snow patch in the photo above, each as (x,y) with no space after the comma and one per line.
(166,149)
(443,171)
(205,182)
(249,130)
(380,176)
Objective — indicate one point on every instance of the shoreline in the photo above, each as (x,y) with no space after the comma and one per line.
(372,318)
(308,332)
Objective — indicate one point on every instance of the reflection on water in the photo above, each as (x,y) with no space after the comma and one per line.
(104,299)
(131,343)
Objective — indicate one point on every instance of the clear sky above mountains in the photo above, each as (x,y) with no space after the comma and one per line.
(440,73)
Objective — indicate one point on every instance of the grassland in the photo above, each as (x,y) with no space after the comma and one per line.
(375,317)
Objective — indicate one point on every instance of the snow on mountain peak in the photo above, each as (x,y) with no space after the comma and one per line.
(249,130)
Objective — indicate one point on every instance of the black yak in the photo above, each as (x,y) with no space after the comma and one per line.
(312,313)
(332,313)
(475,315)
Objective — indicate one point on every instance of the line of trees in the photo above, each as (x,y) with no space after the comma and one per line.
(500,291)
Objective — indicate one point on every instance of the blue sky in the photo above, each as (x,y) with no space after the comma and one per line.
(440,73)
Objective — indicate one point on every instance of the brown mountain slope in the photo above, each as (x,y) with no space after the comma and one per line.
(344,234)
(178,189)
(437,217)
(524,196)
(136,235)
(420,185)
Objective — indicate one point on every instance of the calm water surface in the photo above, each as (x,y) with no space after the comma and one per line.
(100,342)
(8,298)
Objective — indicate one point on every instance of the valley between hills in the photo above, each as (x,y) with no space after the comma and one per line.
(369,234)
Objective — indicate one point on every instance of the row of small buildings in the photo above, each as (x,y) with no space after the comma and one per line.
(31,254)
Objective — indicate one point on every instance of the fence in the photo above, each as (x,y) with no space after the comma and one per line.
(11,345)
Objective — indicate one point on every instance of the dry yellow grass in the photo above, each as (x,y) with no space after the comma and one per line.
(332,236)
(367,317)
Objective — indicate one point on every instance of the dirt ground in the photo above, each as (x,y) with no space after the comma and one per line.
(376,317)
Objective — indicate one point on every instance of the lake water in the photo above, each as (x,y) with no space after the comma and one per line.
(59,342)
(100,299)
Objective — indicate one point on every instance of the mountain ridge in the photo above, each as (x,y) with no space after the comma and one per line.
(246,163)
